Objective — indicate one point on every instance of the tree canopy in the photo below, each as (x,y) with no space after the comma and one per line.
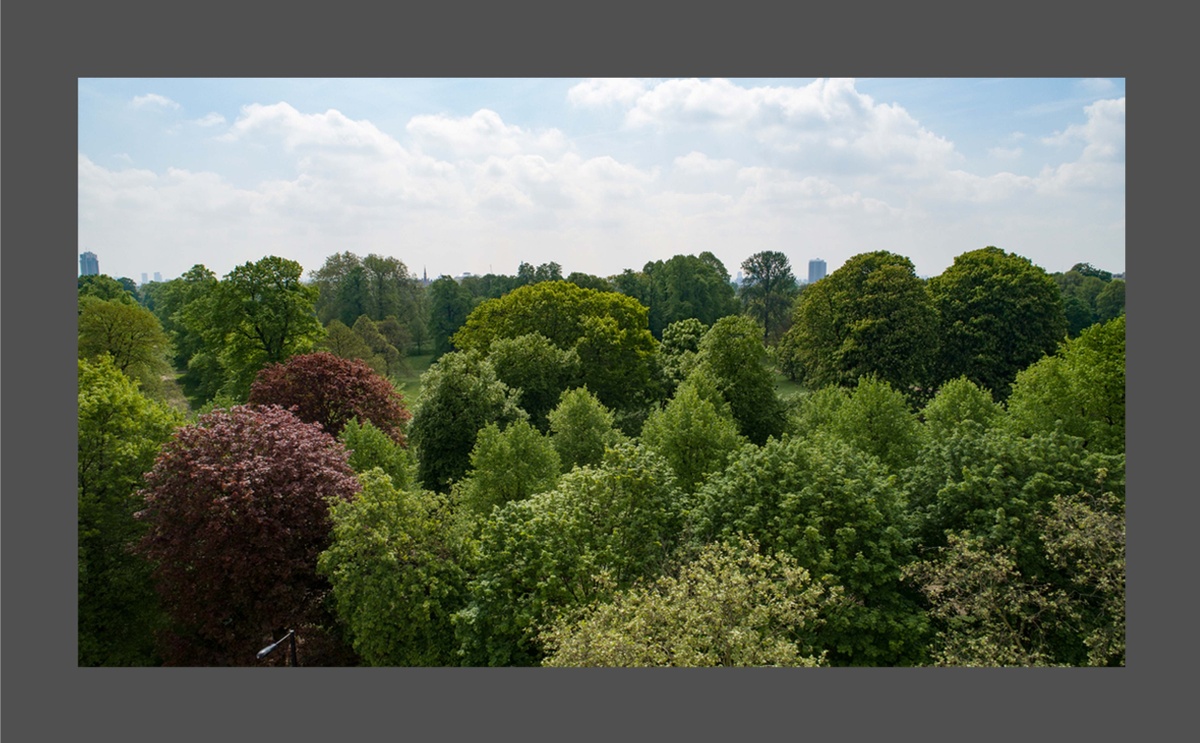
(768,288)
(999,314)
(236,507)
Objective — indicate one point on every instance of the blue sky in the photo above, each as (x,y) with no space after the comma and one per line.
(478,175)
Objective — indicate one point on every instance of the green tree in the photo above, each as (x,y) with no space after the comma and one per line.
(372,448)
(581,429)
(130,334)
(343,342)
(460,394)
(693,435)
(768,288)
(1081,388)
(732,353)
(956,401)
(1110,302)
(508,465)
(259,314)
(449,306)
(837,511)
(873,418)
(394,569)
(731,606)
(119,435)
(538,370)
(201,376)
(688,286)
(679,350)
(608,332)
(538,556)
(999,314)
(105,287)
(872,316)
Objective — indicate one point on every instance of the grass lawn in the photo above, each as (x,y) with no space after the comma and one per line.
(409,383)
(785,387)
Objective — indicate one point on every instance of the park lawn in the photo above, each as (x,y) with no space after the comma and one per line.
(409,381)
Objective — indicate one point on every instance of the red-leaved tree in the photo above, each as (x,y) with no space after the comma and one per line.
(330,390)
(237,512)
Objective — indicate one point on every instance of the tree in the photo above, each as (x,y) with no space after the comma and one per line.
(999,314)
(259,314)
(201,376)
(693,435)
(588,281)
(731,606)
(1080,388)
(449,305)
(687,286)
(128,333)
(957,401)
(873,418)
(393,566)
(119,435)
(1110,302)
(732,353)
(581,429)
(329,390)
(768,288)
(537,370)
(371,448)
(537,556)
(872,316)
(105,287)
(508,465)
(607,331)
(237,513)
(460,394)
(837,511)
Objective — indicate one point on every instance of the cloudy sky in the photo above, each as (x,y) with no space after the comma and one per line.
(478,175)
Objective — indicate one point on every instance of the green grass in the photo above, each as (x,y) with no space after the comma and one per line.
(785,387)
(409,383)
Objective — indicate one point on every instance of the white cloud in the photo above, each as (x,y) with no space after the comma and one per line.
(295,130)
(1097,85)
(211,119)
(1103,134)
(480,135)
(153,100)
(600,92)
(1005,153)
(697,163)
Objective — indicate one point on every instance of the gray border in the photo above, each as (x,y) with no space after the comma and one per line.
(48,47)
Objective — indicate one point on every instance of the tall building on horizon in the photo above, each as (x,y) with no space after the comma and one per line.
(816,270)
(88,264)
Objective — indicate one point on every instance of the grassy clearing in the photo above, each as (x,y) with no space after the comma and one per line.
(785,387)
(409,383)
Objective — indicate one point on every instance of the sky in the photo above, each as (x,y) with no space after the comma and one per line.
(457,176)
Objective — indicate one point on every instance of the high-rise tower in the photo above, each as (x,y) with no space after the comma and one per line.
(816,270)
(88,265)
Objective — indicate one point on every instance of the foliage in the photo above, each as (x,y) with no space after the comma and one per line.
(508,465)
(956,401)
(119,435)
(1081,388)
(537,556)
(732,353)
(201,376)
(686,287)
(693,435)
(581,429)
(871,317)
(394,570)
(873,418)
(731,606)
(327,389)
(128,333)
(376,286)
(259,314)
(999,314)
(460,394)
(838,513)
(768,288)
(1089,295)
(607,330)
(679,350)
(449,306)
(371,448)
(991,612)
(237,510)
(104,287)
(588,281)
(537,370)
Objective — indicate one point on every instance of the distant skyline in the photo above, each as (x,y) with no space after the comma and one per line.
(478,175)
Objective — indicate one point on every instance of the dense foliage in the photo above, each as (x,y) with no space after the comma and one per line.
(329,390)
(605,470)
(236,507)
